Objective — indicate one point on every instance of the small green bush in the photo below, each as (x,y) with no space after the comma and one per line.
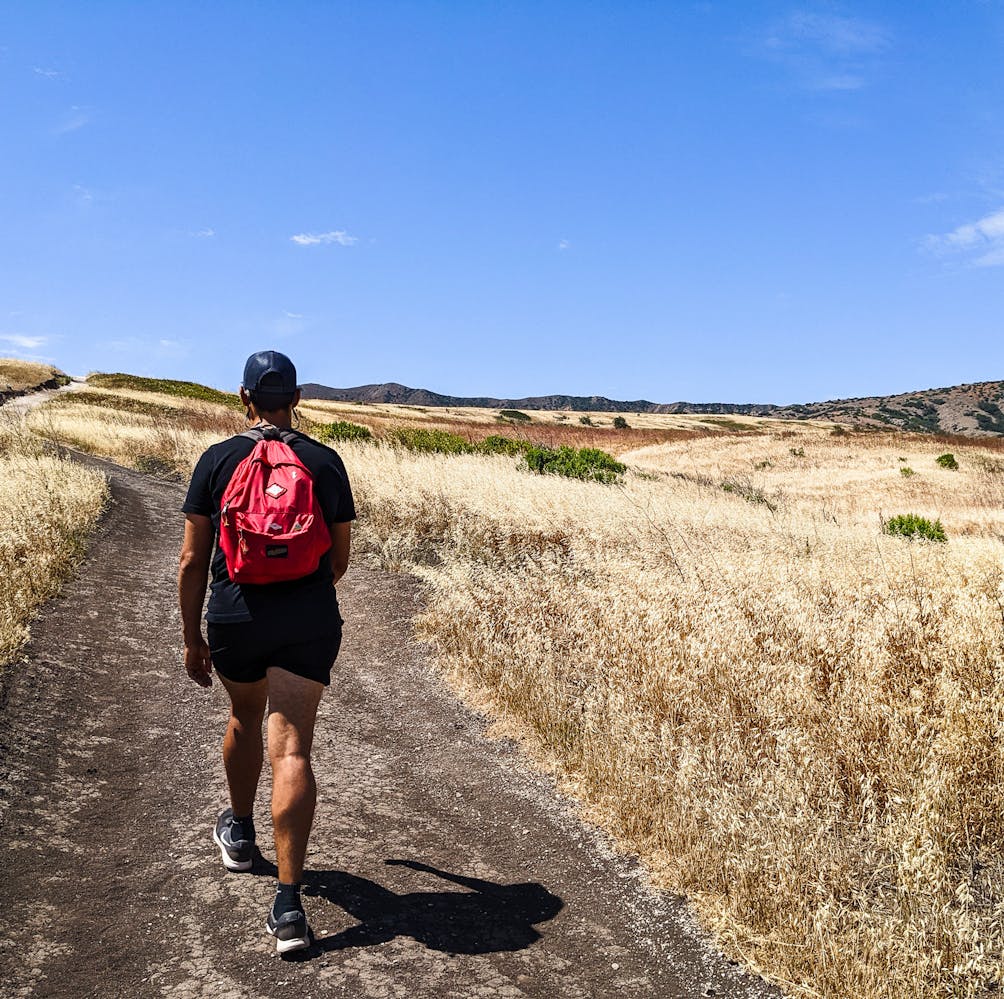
(515,415)
(585,420)
(497,444)
(838,431)
(797,452)
(906,471)
(910,525)
(584,463)
(342,430)
(947,460)
(762,465)
(620,423)
(560,417)
(430,441)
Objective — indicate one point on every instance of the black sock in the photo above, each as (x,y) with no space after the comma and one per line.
(287,899)
(242,829)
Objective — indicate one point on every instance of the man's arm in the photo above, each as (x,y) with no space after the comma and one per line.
(193,573)
(341,538)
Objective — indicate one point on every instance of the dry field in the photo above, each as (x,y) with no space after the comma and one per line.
(48,506)
(795,719)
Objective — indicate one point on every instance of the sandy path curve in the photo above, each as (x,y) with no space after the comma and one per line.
(440,866)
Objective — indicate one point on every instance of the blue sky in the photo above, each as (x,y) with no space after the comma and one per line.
(702,201)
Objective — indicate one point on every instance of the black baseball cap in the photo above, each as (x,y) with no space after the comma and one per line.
(269,373)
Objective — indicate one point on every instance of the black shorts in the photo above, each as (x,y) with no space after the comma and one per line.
(243,652)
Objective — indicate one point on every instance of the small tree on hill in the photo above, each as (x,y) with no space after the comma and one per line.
(620,423)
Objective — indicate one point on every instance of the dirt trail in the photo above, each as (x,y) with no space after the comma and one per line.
(440,866)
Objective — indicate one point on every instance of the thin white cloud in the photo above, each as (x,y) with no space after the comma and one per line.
(339,236)
(563,244)
(22,341)
(76,118)
(206,233)
(981,243)
(831,33)
(840,81)
(49,74)
(24,347)
(826,51)
(293,315)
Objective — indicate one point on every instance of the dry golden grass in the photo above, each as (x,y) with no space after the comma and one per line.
(152,432)
(47,507)
(18,376)
(793,718)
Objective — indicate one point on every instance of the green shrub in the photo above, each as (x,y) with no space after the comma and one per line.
(585,420)
(515,415)
(167,386)
(583,463)
(947,460)
(497,444)
(342,430)
(560,417)
(910,525)
(430,441)
(906,471)
(762,465)
(797,452)
(620,423)
(838,431)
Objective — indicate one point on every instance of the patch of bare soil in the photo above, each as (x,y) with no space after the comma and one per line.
(439,865)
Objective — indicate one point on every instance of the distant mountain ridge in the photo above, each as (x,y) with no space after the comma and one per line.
(973,409)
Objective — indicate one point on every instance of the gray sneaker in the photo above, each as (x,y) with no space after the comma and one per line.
(235,840)
(290,930)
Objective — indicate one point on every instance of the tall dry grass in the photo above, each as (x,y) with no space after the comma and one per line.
(48,506)
(20,376)
(154,433)
(793,718)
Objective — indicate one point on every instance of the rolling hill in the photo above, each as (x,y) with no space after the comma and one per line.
(972,409)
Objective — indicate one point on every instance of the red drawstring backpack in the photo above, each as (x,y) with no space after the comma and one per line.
(271,525)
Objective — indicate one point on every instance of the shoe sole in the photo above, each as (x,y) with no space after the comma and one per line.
(228,862)
(295,943)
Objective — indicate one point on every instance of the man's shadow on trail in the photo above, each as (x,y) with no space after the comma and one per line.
(489,918)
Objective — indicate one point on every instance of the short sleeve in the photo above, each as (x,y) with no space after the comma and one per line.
(200,499)
(334,492)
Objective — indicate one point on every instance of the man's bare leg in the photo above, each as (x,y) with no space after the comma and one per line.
(293,702)
(242,748)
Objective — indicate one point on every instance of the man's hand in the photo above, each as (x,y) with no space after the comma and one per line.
(198,665)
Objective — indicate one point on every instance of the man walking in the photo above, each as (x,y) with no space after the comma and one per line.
(273,634)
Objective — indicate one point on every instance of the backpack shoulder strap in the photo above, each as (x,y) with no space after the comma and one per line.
(270,433)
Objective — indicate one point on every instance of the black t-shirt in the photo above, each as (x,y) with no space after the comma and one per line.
(304,606)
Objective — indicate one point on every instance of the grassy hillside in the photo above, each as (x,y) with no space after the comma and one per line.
(791,713)
(18,377)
